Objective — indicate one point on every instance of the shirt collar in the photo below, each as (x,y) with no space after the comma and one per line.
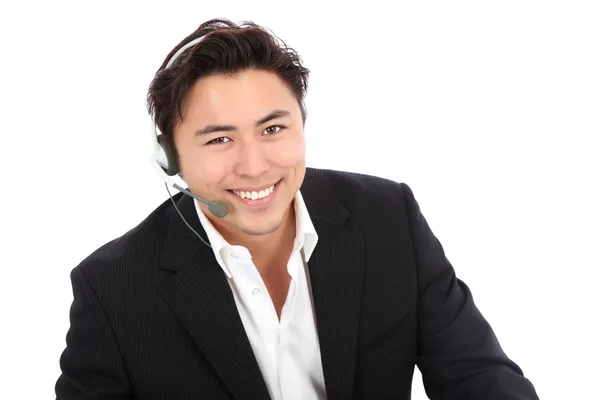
(306,235)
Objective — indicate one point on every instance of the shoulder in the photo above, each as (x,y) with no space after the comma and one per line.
(135,248)
(362,191)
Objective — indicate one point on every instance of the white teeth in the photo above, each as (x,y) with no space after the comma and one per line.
(255,195)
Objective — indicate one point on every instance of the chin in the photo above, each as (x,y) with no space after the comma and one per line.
(265,228)
(260,223)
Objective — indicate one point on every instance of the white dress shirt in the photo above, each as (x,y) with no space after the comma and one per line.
(287,351)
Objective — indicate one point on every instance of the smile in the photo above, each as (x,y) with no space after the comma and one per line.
(256,197)
(253,195)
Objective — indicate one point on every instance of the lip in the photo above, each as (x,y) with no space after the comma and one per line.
(258,202)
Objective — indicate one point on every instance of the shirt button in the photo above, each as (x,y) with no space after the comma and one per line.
(234,255)
(255,291)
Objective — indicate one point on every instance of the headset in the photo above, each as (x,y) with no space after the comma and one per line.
(164,158)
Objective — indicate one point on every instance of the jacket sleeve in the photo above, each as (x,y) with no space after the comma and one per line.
(91,364)
(458,353)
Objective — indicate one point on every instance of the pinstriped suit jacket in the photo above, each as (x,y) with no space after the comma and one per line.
(154,318)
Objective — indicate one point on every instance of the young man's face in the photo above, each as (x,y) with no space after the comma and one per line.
(243,134)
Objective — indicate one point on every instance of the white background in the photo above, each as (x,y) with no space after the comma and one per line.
(490,112)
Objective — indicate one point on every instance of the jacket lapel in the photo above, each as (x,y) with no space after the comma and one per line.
(336,272)
(200,296)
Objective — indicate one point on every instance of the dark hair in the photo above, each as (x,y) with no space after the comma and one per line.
(227,49)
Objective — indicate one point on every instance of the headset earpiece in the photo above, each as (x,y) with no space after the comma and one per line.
(171,167)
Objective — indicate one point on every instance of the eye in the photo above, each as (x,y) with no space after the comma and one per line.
(274,129)
(220,140)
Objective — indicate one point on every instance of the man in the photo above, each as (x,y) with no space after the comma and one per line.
(310,284)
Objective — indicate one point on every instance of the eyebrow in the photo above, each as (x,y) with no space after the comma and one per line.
(229,128)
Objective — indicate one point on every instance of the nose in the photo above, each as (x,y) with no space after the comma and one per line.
(251,159)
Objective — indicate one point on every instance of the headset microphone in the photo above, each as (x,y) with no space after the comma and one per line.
(217,208)
(164,159)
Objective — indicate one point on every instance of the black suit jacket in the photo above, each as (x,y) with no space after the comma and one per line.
(153,316)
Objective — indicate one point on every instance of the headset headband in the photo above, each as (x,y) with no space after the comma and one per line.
(164,156)
(184,48)
(164,159)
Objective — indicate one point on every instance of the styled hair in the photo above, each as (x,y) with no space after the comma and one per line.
(227,49)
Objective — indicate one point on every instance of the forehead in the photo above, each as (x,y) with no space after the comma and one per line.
(238,98)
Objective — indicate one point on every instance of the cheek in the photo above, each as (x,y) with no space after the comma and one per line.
(202,170)
(214,173)
(290,156)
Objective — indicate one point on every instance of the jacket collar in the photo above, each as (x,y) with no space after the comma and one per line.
(306,235)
